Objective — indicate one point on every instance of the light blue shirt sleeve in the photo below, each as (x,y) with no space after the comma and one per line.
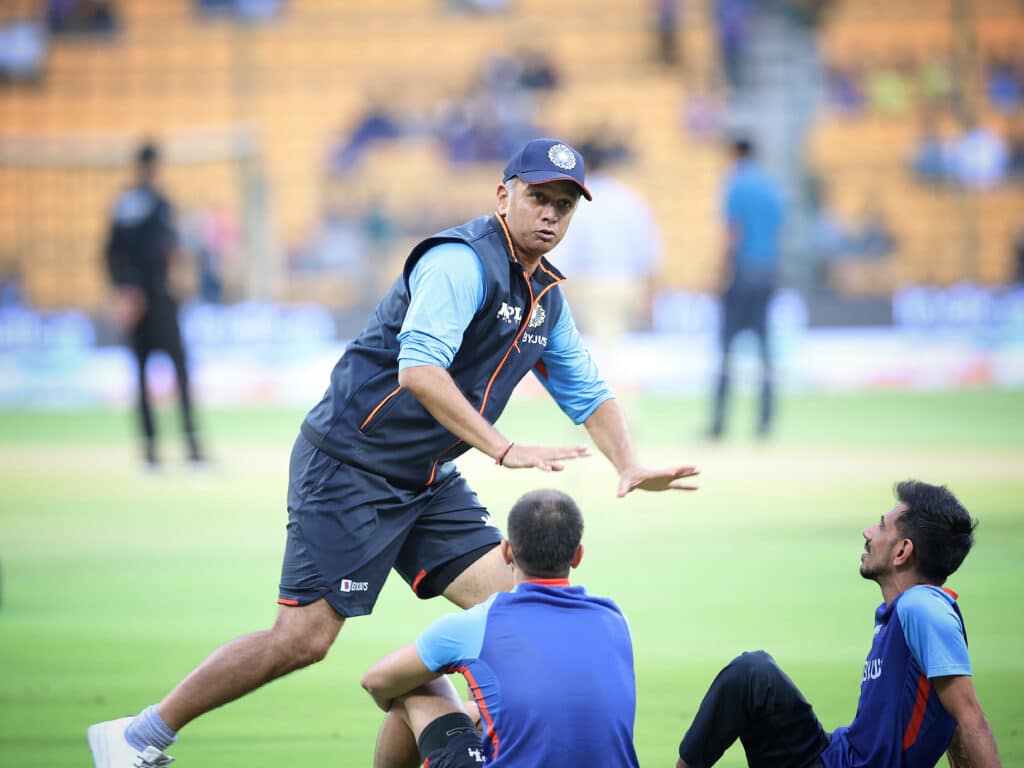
(454,637)
(447,289)
(933,631)
(572,378)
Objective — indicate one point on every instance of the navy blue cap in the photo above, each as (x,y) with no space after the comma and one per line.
(544,160)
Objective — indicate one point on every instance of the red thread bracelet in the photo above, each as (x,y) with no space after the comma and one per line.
(500,461)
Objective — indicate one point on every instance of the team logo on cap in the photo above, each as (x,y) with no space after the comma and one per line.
(562,156)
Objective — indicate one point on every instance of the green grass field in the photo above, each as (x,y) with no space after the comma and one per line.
(116,583)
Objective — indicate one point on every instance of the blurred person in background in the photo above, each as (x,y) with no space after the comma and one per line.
(613,253)
(546,658)
(917,696)
(373,484)
(753,211)
(141,245)
(668,22)
(979,158)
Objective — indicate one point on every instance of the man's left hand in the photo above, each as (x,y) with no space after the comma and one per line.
(656,479)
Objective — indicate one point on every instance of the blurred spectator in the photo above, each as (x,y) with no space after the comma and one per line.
(979,159)
(668,21)
(613,252)
(889,87)
(1016,151)
(23,44)
(476,6)
(929,162)
(377,124)
(875,237)
(831,238)
(703,111)
(733,20)
(537,70)
(753,212)
(247,10)
(1002,83)
(12,291)
(209,235)
(934,81)
(347,243)
(845,88)
(605,147)
(141,245)
(492,118)
(88,16)
(1018,256)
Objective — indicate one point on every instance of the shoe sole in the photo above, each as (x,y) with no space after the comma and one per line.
(97,745)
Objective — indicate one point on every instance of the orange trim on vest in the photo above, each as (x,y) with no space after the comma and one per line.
(433,470)
(515,342)
(508,236)
(548,582)
(924,687)
(478,697)
(380,405)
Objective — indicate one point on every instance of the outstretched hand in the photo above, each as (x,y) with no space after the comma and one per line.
(543,457)
(656,479)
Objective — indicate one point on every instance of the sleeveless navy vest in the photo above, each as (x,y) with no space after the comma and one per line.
(366,419)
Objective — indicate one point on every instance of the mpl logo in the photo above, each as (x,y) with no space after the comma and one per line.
(510,314)
(347,585)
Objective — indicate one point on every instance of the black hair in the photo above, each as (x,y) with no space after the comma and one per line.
(544,530)
(743,147)
(940,527)
(147,154)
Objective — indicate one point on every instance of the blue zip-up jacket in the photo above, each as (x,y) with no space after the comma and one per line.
(366,419)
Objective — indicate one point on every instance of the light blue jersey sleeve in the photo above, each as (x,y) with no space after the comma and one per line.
(933,631)
(447,289)
(572,378)
(454,637)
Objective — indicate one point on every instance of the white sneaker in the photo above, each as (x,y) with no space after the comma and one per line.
(110,750)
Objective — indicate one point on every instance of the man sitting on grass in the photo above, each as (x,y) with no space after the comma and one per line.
(917,699)
(550,667)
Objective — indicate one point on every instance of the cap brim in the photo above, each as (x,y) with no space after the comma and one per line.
(543,177)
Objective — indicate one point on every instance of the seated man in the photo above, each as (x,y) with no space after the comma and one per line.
(550,668)
(916,697)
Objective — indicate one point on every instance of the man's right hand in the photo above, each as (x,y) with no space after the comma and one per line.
(543,457)
(127,307)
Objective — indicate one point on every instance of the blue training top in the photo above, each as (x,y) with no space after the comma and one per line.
(754,209)
(448,288)
(551,669)
(900,720)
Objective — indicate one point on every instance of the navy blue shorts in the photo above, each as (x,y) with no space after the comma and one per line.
(347,528)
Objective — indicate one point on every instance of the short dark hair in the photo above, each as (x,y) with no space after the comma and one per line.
(742,147)
(940,527)
(544,530)
(147,154)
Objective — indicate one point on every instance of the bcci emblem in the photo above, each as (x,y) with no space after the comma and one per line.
(562,156)
(538,316)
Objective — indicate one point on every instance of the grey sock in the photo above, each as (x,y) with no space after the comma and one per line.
(148,728)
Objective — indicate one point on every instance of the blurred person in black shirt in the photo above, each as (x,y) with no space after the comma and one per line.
(140,247)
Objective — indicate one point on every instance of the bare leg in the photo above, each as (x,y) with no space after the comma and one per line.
(480,580)
(405,721)
(299,637)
